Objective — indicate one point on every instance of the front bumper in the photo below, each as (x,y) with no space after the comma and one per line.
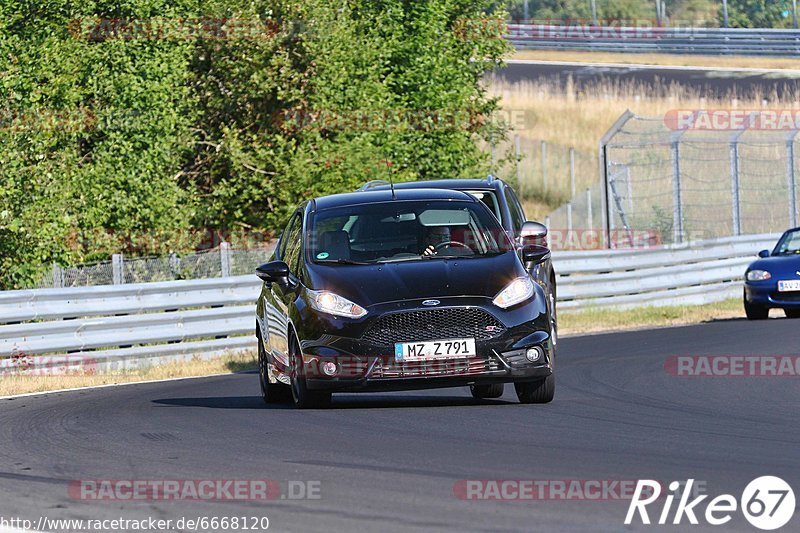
(366,366)
(765,294)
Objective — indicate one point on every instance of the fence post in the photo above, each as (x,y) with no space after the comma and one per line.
(572,172)
(517,152)
(491,151)
(735,203)
(174,265)
(544,165)
(225,258)
(117,266)
(58,276)
(677,202)
(790,175)
(589,221)
(603,161)
(568,242)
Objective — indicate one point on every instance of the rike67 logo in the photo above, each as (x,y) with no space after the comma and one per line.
(767,503)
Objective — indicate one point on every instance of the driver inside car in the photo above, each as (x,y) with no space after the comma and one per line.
(435,236)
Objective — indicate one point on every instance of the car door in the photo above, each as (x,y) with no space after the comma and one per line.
(276,310)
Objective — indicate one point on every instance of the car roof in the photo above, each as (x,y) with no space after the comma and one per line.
(451,184)
(385,195)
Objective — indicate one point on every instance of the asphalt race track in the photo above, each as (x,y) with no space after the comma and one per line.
(389,462)
(709,82)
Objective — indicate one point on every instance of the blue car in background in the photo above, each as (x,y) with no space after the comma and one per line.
(773,281)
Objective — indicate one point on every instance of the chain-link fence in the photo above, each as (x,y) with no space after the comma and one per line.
(689,183)
(546,173)
(664,184)
(213,263)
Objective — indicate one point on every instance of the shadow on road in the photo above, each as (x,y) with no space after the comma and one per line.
(221,402)
(344,401)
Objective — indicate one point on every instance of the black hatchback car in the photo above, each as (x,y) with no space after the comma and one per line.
(402,289)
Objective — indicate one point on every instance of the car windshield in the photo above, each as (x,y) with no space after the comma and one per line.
(789,244)
(405,231)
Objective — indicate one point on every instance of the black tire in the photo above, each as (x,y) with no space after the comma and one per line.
(270,392)
(541,391)
(485,392)
(755,312)
(301,396)
(792,313)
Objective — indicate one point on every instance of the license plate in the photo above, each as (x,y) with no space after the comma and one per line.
(444,349)
(789,285)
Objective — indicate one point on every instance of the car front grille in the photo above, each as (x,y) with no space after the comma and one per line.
(434,324)
(462,366)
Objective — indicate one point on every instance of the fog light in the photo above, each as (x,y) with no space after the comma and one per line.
(534,354)
(329,368)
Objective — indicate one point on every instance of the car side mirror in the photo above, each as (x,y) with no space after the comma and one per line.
(533,233)
(273,272)
(763,253)
(532,253)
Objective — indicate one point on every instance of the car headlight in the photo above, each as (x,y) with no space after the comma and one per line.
(758,275)
(517,291)
(333,304)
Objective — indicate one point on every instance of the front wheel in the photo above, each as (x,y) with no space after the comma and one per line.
(301,396)
(792,313)
(270,392)
(541,391)
(755,312)
(486,392)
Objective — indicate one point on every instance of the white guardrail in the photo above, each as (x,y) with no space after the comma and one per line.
(149,322)
(672,40)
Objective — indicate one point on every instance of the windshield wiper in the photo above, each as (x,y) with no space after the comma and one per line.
(341,261)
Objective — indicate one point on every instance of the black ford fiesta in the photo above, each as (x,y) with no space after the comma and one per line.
(398,290)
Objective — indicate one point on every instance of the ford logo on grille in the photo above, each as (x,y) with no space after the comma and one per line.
(431,303)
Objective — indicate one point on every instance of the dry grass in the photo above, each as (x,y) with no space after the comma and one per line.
(595,320)
(660,59)
(43,381)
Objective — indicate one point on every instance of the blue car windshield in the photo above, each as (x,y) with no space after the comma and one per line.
(789,244)
(410,230)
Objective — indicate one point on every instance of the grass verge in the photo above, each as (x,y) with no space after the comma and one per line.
(40,381)
(596,319)
(660,59)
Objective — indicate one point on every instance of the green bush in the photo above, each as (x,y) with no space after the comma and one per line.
(115,137)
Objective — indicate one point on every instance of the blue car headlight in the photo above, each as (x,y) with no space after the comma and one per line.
(758,275)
